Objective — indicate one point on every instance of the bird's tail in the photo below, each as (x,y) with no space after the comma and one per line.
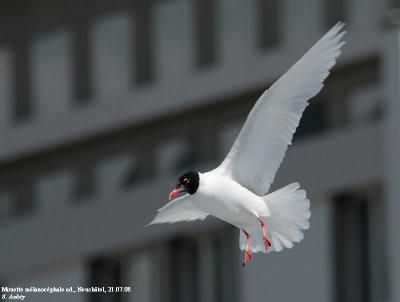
(290,211)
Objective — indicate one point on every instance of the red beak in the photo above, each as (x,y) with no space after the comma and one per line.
(174,192)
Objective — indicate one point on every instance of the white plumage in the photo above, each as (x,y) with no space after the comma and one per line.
(289,215)
(261,145)
(235,191)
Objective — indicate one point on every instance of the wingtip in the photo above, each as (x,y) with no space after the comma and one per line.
(151,222)
(336,30)
(339,25)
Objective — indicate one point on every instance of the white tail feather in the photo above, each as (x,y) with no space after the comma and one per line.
(290,211)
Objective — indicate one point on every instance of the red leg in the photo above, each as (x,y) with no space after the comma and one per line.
(248,253)
(267,243)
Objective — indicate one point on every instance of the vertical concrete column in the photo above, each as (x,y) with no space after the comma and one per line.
(391,86)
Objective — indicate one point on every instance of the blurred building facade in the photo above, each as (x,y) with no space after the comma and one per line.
(104,103)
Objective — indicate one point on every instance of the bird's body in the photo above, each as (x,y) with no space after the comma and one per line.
(236,190)
(234,204)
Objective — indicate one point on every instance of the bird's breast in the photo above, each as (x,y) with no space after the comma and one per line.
(227,200)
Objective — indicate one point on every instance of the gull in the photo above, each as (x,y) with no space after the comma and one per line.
(237,190)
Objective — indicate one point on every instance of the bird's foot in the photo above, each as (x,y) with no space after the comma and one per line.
(247,257)
(267,243)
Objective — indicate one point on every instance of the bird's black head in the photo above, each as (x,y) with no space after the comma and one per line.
(188,182)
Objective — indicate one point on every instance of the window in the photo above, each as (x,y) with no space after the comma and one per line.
(112,53)
(352,248)
(378,253)
(84,184)
(144,43)
(22,105)
(177,155)
(205,32)
(222,266)
(22,195)
(237,30)
(183,272)
(227,136)
(6,204)
(105,272)
(314,119)
(81,65)
(268,22)
(138,273)
(5,86)
(51,73)
(173,34)
(53,190)
(364,105)
(133,174)
(113,171)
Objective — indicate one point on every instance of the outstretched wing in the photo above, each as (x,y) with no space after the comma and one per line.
(180,209)
(261,145)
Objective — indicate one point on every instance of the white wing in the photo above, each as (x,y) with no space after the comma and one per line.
(261,145)
(180,209)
